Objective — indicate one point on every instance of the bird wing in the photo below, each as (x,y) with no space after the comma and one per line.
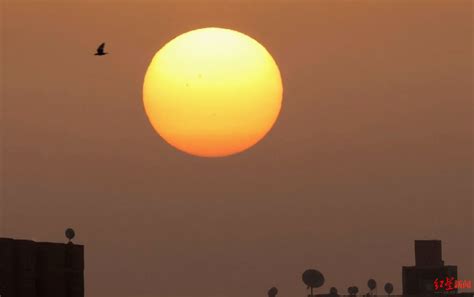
(100,49)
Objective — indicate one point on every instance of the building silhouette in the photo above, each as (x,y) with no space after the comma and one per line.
(429,269)
(41,269)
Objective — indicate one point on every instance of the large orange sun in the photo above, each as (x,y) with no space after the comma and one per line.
(212,92)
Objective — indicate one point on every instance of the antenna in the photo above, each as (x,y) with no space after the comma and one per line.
(70,234)
(313,279)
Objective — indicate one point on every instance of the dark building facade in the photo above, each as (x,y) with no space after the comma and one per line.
(429,275)
(41,269)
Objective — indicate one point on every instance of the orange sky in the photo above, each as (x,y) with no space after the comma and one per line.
(372,149)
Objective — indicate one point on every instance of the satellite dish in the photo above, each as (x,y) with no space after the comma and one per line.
(372,284)
(70,234)
(272,292)
(388,288)
(356,290)
(333,291)
(313,279)
(353,290)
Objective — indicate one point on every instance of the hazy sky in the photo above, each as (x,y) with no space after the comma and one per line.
(372,149)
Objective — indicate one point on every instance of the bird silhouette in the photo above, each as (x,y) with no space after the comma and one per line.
(100,50)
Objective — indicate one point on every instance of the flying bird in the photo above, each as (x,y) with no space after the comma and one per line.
(100,50)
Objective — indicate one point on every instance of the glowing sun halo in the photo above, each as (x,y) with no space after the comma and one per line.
(212,92)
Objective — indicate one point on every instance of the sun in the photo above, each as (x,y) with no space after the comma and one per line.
(212,92)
